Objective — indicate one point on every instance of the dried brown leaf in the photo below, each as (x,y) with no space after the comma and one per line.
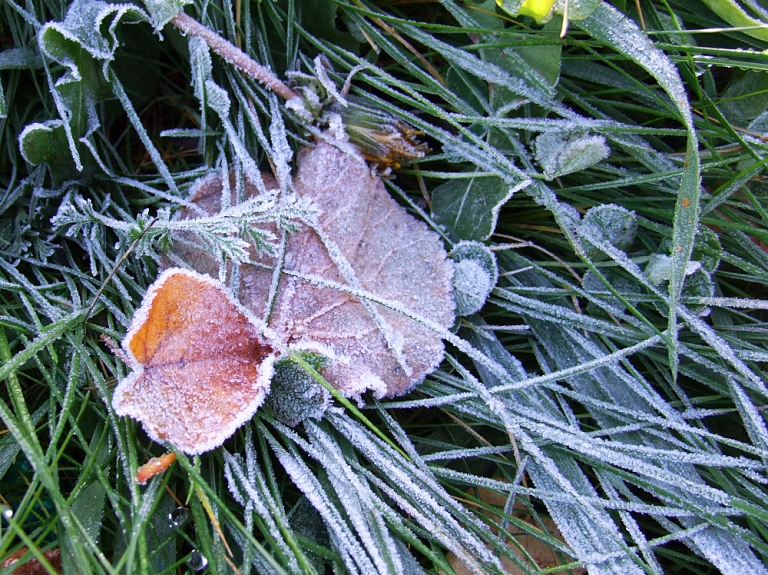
(33,566)
(364,243)
(200,368)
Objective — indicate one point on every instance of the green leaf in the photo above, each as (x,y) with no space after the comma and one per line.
(626,286)
(318,17)
(21,59)
(546,58)
(294,395)
(699,284)
(745,98)
(47,142)
(469,207)
(516,63)
(735,15)
(88,506)
(87,36)
(560,153)
(707,249)
(161,11)
(467,87)
(475,275)
(612,223)
(658,268)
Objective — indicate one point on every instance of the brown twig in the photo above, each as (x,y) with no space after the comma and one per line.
(232,54)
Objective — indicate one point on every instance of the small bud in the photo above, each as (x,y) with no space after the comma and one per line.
(382,138)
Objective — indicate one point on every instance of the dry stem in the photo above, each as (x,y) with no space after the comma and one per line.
(232,54)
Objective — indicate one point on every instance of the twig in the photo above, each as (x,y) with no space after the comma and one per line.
(232,54)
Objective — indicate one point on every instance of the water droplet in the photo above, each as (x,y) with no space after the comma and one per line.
(197,561)
(6,512)
(178,517)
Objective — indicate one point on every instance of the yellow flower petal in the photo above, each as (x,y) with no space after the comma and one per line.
(537,9)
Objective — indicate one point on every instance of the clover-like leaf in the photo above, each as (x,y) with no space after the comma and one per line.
(475,275)
(560,154)
(365,284)
(608,223)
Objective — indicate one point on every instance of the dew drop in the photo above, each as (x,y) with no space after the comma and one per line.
(6,512)
(178,517)
(197,561)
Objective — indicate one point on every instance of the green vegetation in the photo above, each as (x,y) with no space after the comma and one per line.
(607,400)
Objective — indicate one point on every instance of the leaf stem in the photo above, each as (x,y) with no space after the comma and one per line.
(232,54)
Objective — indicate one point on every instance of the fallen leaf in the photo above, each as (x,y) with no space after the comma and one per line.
(364,243)
(33,566)
(200,365)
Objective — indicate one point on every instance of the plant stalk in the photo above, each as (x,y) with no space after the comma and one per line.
(232,54)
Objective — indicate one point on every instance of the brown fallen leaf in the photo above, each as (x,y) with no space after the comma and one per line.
(199,366)
(360,285)
(33,566)
(364,242)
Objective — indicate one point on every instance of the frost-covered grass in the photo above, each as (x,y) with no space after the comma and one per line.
(613,382)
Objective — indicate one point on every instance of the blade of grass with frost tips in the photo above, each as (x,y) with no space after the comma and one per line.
(611,27)
(437,524)
(343,537)
(227,513)
(684,499)
(424,498)
(360,502)
(719,546)
(252,493)
(154,153)
(633,528)
(590,532)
